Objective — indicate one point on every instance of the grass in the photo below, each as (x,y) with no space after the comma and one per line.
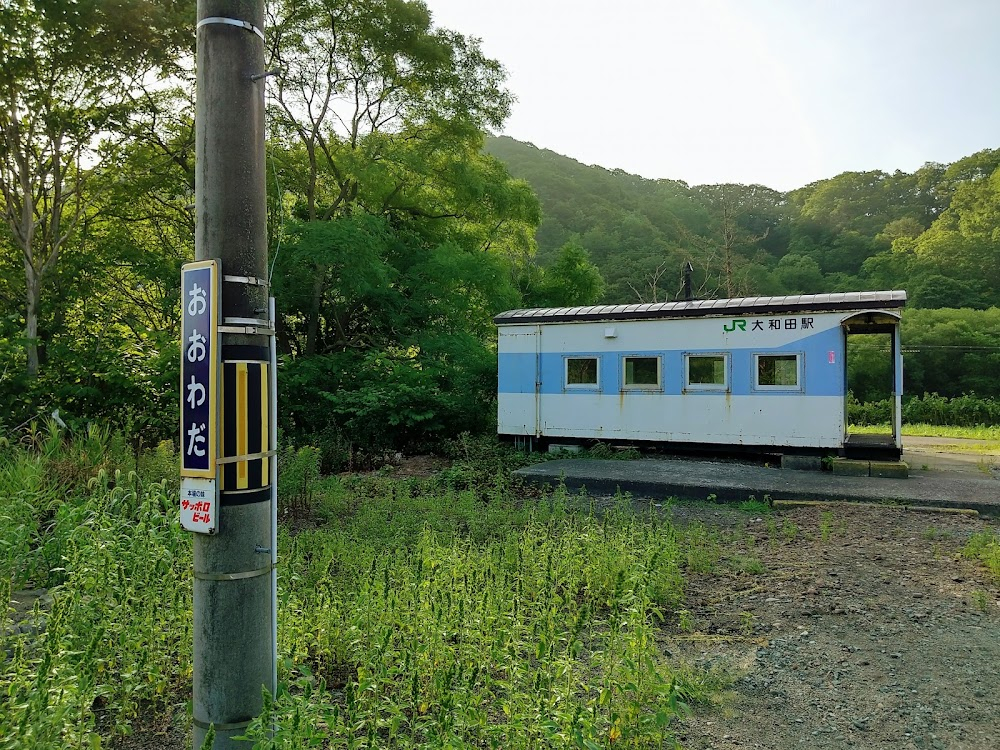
(981,432)
(430,613)
(984,546)
(830,525)
(984,448)
(986,466)
(933,533)
(106,545)
(754,506)
(783,532)
(530,630)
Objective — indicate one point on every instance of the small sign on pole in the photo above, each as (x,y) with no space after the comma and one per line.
(199,394)
(199,505)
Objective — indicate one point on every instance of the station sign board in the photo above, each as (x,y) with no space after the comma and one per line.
(199,409)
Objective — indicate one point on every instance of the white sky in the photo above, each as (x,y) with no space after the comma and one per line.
(777,92)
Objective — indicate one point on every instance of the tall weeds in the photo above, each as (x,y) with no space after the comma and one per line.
(538,634)
(116,637)
(447,612)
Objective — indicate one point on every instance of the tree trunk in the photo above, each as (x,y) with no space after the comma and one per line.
(31,321)
(727,269)
(312,327)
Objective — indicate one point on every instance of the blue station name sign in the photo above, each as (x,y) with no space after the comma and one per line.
(199,370)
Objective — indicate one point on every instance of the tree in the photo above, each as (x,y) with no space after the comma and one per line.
(398,238)
(66,70)
(745,215)
(800,274)
(977,166)
(935,291)
(907,227)
(569,282)
(851,201)
(378,112)
(847,252)
(624,221)
(951,352)
(889,269)
(334,279)
(843,221)
(651,279)
(354,73)
(110,318)
(964,242)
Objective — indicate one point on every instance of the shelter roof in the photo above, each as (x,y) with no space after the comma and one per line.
(699,308)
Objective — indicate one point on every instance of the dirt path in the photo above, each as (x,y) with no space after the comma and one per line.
(868,630)
(946,454)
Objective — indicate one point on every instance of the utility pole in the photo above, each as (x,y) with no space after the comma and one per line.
(234,654)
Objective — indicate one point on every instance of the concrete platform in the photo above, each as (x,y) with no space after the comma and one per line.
(853,467)
(735,482)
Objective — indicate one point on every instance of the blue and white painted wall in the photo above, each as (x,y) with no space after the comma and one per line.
(744,379)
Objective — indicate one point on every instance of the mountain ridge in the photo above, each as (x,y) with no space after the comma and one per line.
(853,231)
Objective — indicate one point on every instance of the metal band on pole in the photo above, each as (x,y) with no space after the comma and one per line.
(247,330)
(232,576)
(220,727)
(231,22)
(244,457)
(259,322)
(249,280)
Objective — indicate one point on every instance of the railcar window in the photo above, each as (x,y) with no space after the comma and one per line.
(707,371)
(642,372)
(581,371)
(778,370)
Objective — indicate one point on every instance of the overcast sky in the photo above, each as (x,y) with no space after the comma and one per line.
(777,92)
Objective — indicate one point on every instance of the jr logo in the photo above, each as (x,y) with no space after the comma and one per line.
(741,324)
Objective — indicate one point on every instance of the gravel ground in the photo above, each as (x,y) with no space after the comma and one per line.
(869,630)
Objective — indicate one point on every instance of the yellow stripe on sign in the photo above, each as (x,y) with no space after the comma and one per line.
(264,430)
(242,432)
(221,472)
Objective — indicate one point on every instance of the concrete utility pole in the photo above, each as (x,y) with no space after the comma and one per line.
(233,605)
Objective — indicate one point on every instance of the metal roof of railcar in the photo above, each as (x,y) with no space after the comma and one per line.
(708,307)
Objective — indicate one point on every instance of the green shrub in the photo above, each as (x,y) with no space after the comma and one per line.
(952,352)
(298,473)
(97,378)
(49,468)
(962,411)
(868,413)
(601,450)
(160,464)
(396,398)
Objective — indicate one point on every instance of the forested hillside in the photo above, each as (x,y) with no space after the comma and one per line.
(933,232)
(397,227)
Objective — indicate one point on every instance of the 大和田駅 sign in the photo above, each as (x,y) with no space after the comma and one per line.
(199,394)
